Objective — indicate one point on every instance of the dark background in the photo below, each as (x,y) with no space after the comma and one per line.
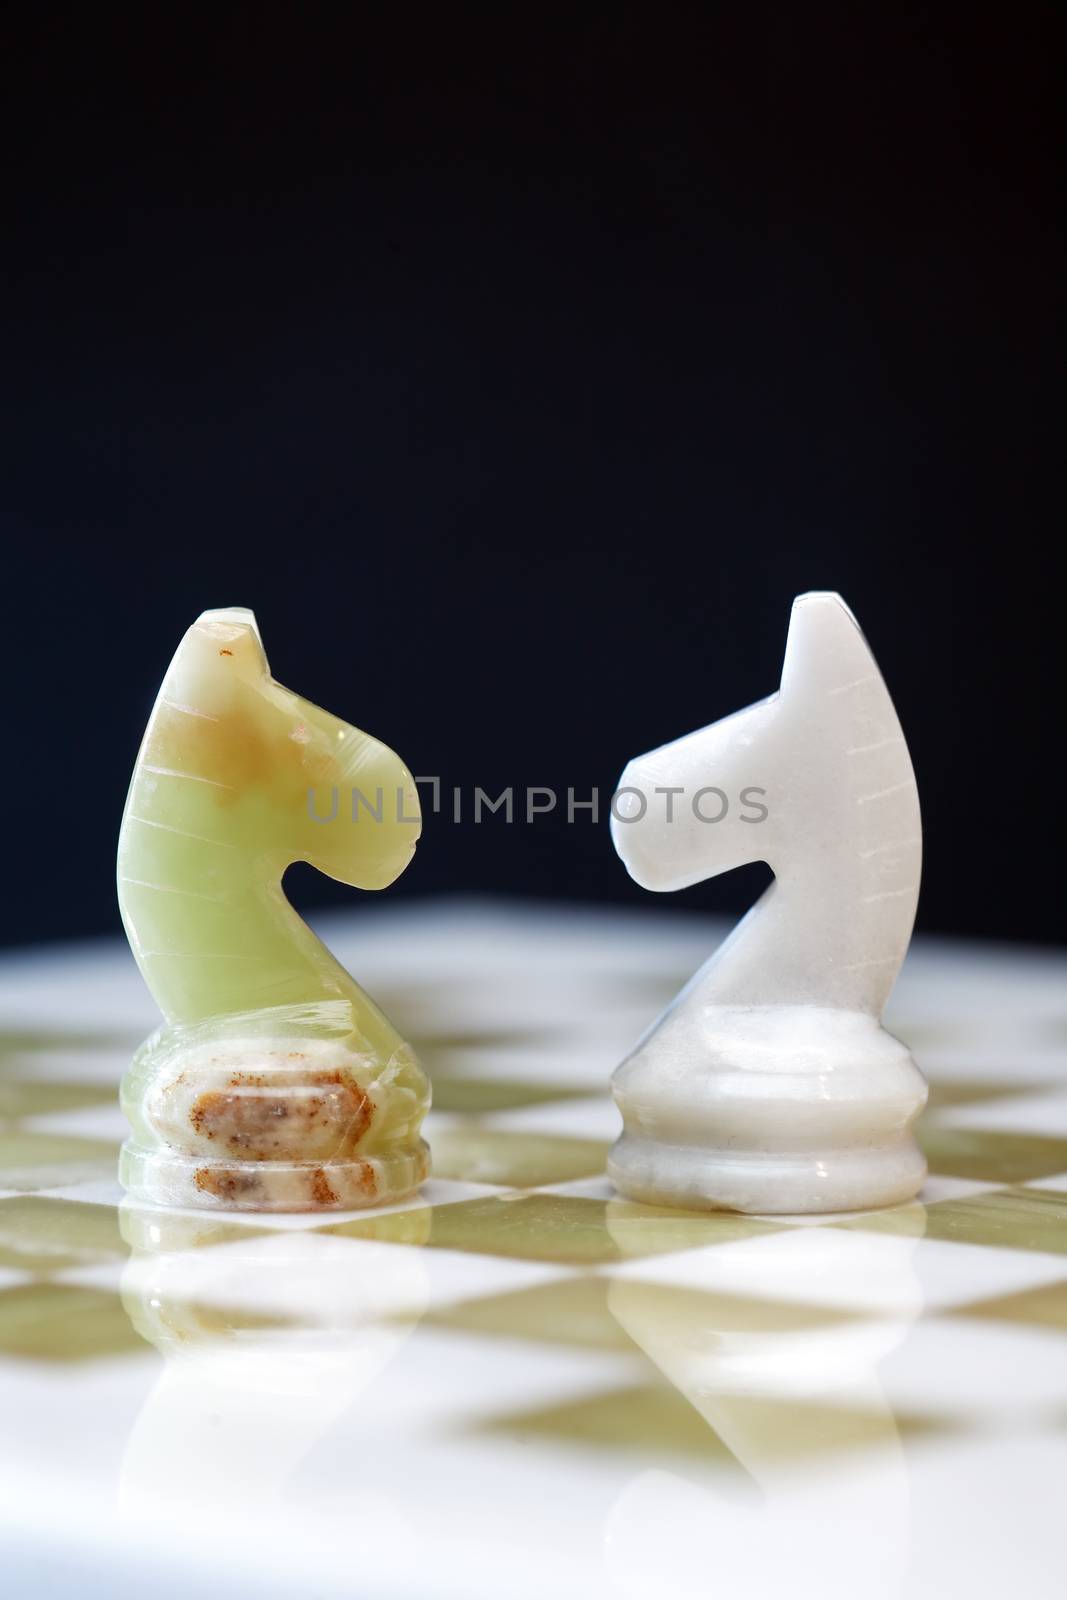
(519,367)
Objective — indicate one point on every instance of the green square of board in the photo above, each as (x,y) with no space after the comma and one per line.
(64,1322)
(567,1229)
(39,1097)
(654,1420)
(1007,1219)
(515,1160)
(1042,1307)
(991,1157)
(609,1313)
(31,1160)
(41,1234)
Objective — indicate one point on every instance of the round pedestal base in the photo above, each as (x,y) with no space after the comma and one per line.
(291,1109)
(698,1179)
(776,1109)
(166,1178)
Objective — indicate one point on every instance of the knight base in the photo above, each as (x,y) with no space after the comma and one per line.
(777,1110)
(281,1110)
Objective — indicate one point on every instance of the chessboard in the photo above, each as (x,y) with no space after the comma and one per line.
(518,1383)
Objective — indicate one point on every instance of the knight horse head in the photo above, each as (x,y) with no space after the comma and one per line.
(282,761)
(237,778)
(815,781)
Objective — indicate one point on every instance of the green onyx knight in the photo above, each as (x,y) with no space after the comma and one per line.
(276,1083)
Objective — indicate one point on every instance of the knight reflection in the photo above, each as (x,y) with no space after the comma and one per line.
(776,1340)
(268,1338)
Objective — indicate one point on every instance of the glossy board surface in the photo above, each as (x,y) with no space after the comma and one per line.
(521,1383)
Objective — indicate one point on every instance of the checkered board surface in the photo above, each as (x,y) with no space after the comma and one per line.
(519,1383)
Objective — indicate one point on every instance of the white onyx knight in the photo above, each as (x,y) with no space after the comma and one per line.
(770,1085)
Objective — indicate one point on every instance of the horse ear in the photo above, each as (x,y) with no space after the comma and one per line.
(825,650)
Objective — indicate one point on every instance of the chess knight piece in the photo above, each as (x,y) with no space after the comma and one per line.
(769,1085)
(277,1084)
